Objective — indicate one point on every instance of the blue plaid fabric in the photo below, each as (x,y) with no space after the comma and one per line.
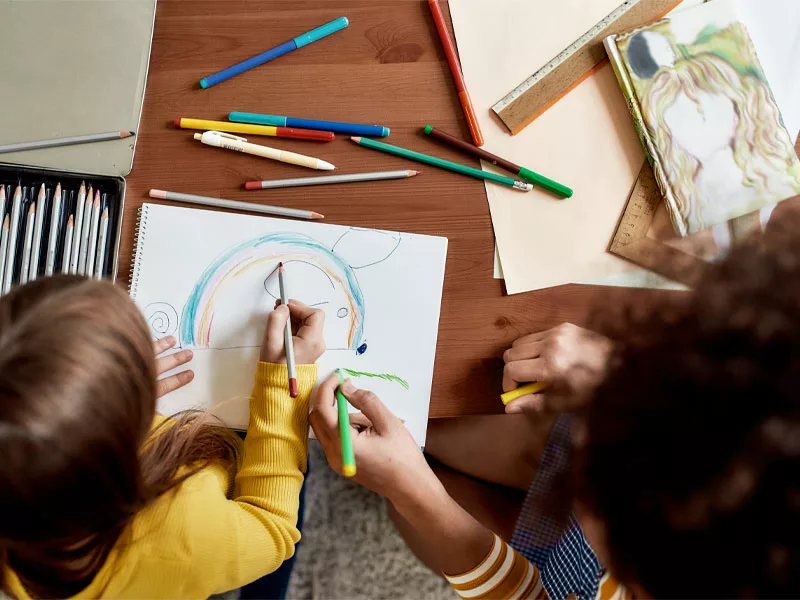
(567,563)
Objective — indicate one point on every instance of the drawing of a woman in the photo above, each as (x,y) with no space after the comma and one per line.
(723,145)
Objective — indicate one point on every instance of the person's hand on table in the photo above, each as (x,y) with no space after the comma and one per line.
(308,335)
(167,363)
(571,360)
(389,461)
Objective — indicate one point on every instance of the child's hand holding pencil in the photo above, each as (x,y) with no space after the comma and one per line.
(307,333)
(563,363)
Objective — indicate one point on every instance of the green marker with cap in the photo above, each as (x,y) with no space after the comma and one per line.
(348,456)
(526,174)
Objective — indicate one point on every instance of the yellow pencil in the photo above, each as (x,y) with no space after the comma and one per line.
(524,390)
(270,130)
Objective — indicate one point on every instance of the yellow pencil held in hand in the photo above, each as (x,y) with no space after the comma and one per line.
(524,390)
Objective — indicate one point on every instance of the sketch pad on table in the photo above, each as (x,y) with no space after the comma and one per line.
(205,277)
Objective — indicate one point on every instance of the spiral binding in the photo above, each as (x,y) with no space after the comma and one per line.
(140,231)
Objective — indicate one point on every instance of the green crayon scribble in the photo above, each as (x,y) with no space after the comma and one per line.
(384,376)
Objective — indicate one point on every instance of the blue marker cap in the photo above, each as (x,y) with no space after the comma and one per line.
(321,32)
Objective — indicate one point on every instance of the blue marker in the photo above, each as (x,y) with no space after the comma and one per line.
(298,42)
(276,121)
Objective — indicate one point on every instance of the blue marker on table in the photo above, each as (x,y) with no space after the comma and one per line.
(298,42)
(278,121)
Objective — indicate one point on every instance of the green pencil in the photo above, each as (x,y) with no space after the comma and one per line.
(348,456)
(442,164)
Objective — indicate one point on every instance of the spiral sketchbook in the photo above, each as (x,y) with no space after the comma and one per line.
(209,279)
(706,113)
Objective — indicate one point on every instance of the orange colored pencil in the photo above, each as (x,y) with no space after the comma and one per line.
(455,69)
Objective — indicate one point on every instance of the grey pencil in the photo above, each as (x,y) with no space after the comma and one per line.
(327,179)
(87,224)
(36,249)
(78,228)
(3,247)
(52,239)
(91,248)
(66,261)
(101,245)
(287,338)
(13,232)
(2,207)
(65,141)
(246,206)
(27,245)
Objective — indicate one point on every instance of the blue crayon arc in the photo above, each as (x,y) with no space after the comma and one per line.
(338,127)
(273,53)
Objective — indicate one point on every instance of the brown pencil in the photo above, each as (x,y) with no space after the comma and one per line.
(526,174)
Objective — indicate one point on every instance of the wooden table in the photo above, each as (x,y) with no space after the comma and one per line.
(387,68)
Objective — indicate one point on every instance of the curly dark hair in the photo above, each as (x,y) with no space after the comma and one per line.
(691,449)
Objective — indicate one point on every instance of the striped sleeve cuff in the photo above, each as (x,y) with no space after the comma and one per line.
(504,573)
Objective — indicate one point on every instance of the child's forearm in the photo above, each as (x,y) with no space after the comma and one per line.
(276,447)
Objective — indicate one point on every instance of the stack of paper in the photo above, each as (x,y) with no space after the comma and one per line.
(587,141)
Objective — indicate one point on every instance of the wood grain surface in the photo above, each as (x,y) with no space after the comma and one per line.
(386,68)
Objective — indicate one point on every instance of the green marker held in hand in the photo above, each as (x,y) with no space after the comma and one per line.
(348,456)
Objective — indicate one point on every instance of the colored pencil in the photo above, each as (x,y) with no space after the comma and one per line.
(217,139)
(3,248)
(93,231)
(101,245)
(78,228)
(348,456)
(441,163)
(13,233)
(288,343)
(86,229)
(335,126)
(455,70)
(521,172)
(36,249)
(52,241)
(2,211)
(268,130)
(273,53)
(234,205)
(524,390)
(66,261)
(326,179)
(27,245)
(65,141)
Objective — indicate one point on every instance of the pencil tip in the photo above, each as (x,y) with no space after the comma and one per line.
(357,140)
(70,220)
(280,265)
(412,173)
(125,134)
(317,216)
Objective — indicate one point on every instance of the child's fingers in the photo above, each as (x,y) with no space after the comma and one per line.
(323,407)
(370,405)
(171,361)
(276,323)
(530,338)
(522,371)
(523,352)
(312,320)
(164,344)
(532,404)
(173,382)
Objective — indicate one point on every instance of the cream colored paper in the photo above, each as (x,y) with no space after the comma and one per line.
(586,141)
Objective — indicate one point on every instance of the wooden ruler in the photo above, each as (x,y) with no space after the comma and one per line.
(570,68)
(631,241)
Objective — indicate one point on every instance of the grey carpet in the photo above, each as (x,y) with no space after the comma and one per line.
(350,549)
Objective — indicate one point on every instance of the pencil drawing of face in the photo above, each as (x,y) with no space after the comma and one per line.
(227,307)
(715,124)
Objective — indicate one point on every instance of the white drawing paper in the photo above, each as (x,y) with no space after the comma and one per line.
(209,279)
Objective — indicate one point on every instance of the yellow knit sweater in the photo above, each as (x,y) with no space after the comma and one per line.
(194,542)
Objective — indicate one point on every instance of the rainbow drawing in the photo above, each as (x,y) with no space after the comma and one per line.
(197,319)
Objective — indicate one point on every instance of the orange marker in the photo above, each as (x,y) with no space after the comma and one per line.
(455,69)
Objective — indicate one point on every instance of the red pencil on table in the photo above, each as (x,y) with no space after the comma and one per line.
(455,69)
